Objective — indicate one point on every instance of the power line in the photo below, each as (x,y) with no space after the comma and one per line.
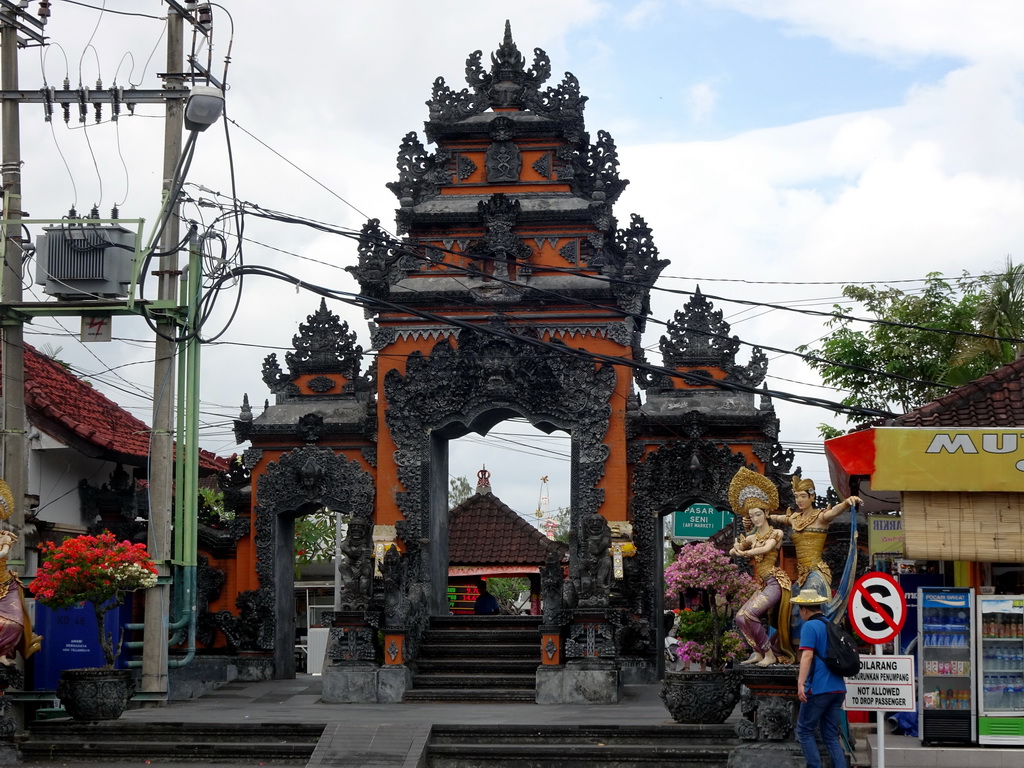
(696,378)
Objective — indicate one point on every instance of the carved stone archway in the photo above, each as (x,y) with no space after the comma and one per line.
(471,386)
(672,478)
(299,482)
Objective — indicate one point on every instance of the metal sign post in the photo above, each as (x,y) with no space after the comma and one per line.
(878,610)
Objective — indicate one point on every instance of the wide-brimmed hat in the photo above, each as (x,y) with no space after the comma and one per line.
(809,596)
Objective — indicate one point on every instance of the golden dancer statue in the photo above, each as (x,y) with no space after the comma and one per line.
(810,529)
(754,497)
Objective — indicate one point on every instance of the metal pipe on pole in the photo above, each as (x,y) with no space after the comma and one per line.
(161,470)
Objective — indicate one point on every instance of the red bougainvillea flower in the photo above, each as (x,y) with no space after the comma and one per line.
(95,569)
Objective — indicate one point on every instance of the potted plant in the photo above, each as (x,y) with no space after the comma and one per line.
(98,570)
(704,690)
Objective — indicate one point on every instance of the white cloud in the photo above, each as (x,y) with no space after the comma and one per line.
(971,29)
(701,99)
(934,183)
(642,13)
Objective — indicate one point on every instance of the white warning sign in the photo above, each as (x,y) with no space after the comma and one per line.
(884,683)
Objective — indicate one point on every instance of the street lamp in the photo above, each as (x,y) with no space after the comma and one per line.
(205,104)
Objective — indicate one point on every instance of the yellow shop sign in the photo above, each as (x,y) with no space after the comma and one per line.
(964,459)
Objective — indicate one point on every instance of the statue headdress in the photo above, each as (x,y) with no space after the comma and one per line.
(799,484)
(749,490)
(6,500)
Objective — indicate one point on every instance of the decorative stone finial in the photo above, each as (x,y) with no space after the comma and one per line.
(483,481)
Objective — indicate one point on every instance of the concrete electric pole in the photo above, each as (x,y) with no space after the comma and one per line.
(15,444)
(161,476)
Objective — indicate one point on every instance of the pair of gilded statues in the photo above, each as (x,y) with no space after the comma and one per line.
(754,498)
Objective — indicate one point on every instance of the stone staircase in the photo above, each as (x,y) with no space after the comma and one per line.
(598,746)
(477,658)
(60,741)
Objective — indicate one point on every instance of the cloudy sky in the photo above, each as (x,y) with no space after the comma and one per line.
(779,149)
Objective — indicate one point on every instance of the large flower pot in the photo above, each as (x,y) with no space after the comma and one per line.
(95,694)
(701,697)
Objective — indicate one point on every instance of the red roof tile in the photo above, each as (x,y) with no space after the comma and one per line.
(483,530)
(994,400)
(58,401)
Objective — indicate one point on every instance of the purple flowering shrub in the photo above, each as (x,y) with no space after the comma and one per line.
(706,639)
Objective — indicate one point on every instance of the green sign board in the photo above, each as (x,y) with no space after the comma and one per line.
(699,521)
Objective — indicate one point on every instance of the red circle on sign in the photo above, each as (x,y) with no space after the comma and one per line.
(877,607)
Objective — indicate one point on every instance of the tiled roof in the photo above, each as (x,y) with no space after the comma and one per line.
(994,400)
(64,406)
(483,530)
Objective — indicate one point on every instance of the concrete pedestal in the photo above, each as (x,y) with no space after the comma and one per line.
(365,683)
(352,683)
(579,682)
(392,683)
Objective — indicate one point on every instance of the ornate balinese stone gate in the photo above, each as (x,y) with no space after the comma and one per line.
(513,292)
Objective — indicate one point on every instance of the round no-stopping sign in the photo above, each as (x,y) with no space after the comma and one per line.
(877,607)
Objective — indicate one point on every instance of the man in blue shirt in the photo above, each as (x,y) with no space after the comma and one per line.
(821,691)
(486,604)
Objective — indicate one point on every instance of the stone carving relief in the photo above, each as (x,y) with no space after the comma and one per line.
(590,640)
(505,85)
(420,174)
(466,169)
(542,165)
(697,337)
(480,373)
(500,246)
(673,477)
(594,562)
(383,261)
(304,479)
(355,566)
(324,344)
(552,580)
(504,161)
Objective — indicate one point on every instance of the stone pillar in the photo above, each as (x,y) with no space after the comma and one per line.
(590,674)
(10,675)
(350,667)
(769,704)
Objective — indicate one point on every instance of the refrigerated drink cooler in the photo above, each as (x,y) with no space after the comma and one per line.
(946,679)
(1000,664)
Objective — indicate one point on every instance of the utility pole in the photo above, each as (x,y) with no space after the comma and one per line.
(15,448)
(161,475)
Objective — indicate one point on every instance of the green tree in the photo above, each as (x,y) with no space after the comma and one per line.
(921,364)
(315,537)
(558,524)
(211,509)
(512,592)
(459,490)
(1000,315)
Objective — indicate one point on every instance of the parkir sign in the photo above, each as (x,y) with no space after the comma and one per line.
(953,459)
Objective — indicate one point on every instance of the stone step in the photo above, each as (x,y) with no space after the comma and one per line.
(440,650)
(102,752)
(483,636)
(662,735)
(470,695)
(555,756)
(474,681)
(121,739)
(485,622)
(525,746)
(452,665)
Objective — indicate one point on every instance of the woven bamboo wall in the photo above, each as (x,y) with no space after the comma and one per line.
(982,527)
